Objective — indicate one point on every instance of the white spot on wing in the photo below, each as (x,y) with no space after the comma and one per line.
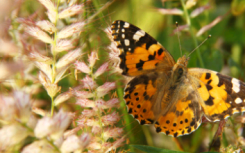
(126,42)
(235,85)
(123,30)
(138,35)
(126,25)
(238,100)
(123,36)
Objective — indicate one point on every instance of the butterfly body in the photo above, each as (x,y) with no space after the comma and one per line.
(167,93)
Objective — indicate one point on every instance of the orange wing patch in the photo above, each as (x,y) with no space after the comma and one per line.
(138,94)
(139,52)
(183,118)
(222,95)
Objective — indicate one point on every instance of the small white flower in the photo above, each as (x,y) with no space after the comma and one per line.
(70,30)
(36,56)
(101,70)
(74,143)
(45,68)
(39,34)
(40,146)
(48,4)
(53,127)
(47,26)
(105,88)
(68,58)
(92,59)
(88,83)
(82,67)
(85,103)
(63,45)
(11,135)
(52,16)
(70,11)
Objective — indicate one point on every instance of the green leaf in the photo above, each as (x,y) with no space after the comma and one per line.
(213,60)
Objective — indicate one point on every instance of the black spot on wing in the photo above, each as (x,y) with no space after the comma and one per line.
(223,79)
(160,51)
(209,102)
(140,65)
(208,75)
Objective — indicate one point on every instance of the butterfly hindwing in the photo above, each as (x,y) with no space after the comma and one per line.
(138,95)
(222,95)
(182,114)
(139,52)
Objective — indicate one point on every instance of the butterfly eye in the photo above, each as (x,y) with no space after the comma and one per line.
(180,71)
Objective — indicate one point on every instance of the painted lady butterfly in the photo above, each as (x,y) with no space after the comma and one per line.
(168,94)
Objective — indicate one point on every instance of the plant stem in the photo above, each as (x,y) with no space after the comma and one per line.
(188,20)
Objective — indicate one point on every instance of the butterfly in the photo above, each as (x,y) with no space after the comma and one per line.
(168,94)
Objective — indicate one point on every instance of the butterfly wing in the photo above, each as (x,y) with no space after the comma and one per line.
(139,95)
(182,114)
(222,95)
(139,52)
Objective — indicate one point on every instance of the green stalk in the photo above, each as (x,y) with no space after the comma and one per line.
(188,20)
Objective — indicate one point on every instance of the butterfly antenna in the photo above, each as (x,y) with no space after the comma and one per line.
(177,25)
(209,36)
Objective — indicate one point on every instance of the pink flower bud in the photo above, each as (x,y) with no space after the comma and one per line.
(63,45)
(70,11)
(39,34)
(74,143)
(173,11)
(85,103)
(48,4)
(101,70)
(92,59)
(12,135)
(53,127)
(68,58)
(52,16)
(94,146)
(114,102)
(51,88)
(96,129)
(39,146)
(47,26)
(88,113)
(36,56)
(100,103)
(46,72)
(70,30)
(105,88)
(110,119)
(83,94)
(82,67)
(89,83)
(83,121)
(112,133)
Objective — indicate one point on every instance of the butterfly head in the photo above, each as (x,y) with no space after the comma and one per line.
(180,68)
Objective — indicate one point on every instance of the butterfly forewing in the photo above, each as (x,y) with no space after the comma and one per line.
(139,51)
